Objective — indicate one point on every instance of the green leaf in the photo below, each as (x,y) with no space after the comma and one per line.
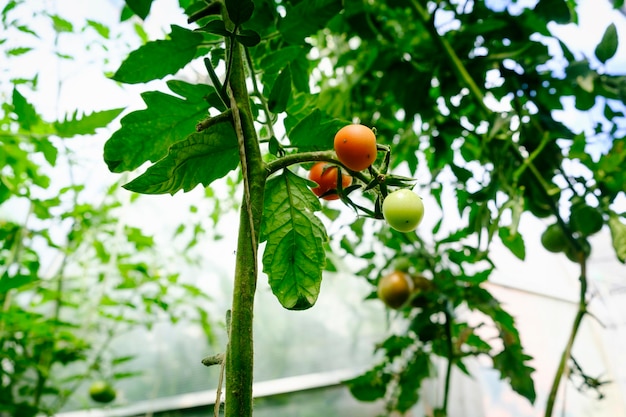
(554,10)
(511,362)
(316,131)
(248,38)
(416,371)
(86,124)
(102,29)
(156,59)
(618,236)
(280,93)
(607,47)
(514,242)
(294,255)
(18,51)
(239,11)
(27,116)
(140,7)
(61,25)
(146,135)
(306,18)
(200,159)
(370,386)
(216,27)
(18,281)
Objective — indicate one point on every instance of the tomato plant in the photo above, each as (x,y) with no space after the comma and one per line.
(395,289)
(326,176)
(355,146)
(403,210)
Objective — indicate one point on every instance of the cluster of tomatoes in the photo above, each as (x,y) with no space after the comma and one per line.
(356,149)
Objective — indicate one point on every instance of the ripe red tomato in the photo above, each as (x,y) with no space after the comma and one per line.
(395,289)
(325,175)
(355,146)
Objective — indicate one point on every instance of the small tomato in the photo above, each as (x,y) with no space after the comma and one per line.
(355,146)
(395,289)
(403,210)
(325,175)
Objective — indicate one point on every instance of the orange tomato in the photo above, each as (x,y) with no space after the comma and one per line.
(355,146)
(325,175)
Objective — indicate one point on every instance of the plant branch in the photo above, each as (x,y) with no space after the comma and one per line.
(567,352)
(257,92)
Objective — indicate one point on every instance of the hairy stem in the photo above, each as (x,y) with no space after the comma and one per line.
(240,355)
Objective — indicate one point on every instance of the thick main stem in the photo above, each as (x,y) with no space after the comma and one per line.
(240,354)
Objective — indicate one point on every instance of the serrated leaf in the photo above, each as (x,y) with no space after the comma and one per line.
(294,255)
(140,7)
(156,59)
(200,159)
(146,135)
(607,47)
(316,131)
(618,237)
(27,116)
(248,38)
(511,362)
(239,11)
(306,18)
(514,242)
(86,124)
(280,93)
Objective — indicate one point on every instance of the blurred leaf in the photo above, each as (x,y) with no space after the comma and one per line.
(239,11)
(102,29)
(200,159)
(294,255)
(281,92)
(216,27)
(514,242)
(306,18)
(60,24)
(618,236)
(511,362)
(315,132)
(140,7)
(27,116)
(146,135)
(147,63)
(86,124)
(248,38)
(416,371)
(370,386)
(607,47)
(8,283)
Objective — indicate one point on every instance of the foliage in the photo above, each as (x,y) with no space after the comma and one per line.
(462,95)
(74,274)
(469,105)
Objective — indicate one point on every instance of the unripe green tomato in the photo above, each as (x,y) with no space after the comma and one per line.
(403,210)
(102,392)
